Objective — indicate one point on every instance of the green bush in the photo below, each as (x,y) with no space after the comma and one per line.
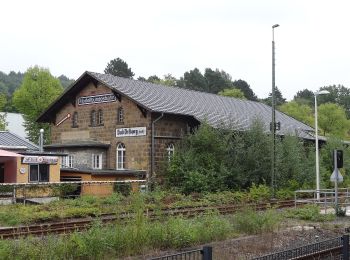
(308,212)
(254,222)
(259,193)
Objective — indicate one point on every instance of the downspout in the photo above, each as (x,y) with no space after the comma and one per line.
(152,146)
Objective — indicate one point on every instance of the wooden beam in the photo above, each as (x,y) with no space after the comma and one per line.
(117,95)
(143,111)
(95,82)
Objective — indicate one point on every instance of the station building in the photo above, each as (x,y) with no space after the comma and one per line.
(113,128)
(21,161)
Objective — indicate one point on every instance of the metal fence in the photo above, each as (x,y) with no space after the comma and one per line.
(198,254)
(47,191)
(335,248)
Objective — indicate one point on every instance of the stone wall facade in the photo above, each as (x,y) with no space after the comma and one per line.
(168,130)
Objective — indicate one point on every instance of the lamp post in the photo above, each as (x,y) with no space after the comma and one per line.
(321,92)
(273,123)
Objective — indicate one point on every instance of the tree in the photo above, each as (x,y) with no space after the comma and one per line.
(120,68)
(65,82)
(278,98)
(195,80)
(338,94)
(305,96)
(232,92)
(3,123)
(39,88)
(299,111)
(332,119)
(217,80)
(153,79)
(245,88)
(168,80)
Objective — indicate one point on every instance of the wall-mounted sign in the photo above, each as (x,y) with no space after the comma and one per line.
(96,99)
(22,170)
(63,119)
(133,131)
(40,159)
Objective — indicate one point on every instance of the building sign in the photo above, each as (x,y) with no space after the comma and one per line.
(40,160)
(133,131)
(103,98)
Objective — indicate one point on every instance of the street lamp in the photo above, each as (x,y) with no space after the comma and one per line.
(321,92)
(273,123)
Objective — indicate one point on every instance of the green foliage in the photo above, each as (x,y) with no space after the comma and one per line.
(232,92)
(120,68)
(197,164)
(253,222)
(308,212)
(259,193)
(215,160)
(299,111)
(295,161)
(168,80)
(338,94)
(123,188)
(332,119)
(39,89)
(65,189)
(65,81)
(246,89)
(305,97)
(279,99)
(121,240)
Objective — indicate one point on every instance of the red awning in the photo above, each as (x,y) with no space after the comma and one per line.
(4,153)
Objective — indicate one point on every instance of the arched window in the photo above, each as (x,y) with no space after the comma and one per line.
(100,117)
(75,119)
(93,118)
(170,151)
(120,115)
(120,156)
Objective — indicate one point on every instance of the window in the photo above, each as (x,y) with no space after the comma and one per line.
(97,161)
(120,115)
(39,173)
(93,118)
(67,161)
(100,117)
(170,151)
(120,156)
(75,119)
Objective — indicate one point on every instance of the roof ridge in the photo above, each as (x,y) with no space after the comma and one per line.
(175,87)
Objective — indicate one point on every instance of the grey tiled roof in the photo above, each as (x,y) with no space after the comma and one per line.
(218,111)
(10,141)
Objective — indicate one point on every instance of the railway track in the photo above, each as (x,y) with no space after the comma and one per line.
(72,225)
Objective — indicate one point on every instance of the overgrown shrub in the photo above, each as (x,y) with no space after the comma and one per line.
(308,212)
(213,160)
(254,222)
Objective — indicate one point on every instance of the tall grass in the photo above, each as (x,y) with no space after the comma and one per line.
(254,222)
(137,237)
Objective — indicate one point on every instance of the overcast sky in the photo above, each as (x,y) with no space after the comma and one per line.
(160,37)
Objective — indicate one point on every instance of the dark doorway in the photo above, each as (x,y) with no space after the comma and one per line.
(2,173)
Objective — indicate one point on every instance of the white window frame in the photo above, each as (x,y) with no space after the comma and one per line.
(120,116)
(97,161)
(170,148)
(67,161)
(121,150)
(99,117)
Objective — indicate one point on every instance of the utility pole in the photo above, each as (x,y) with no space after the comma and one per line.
(273,123)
